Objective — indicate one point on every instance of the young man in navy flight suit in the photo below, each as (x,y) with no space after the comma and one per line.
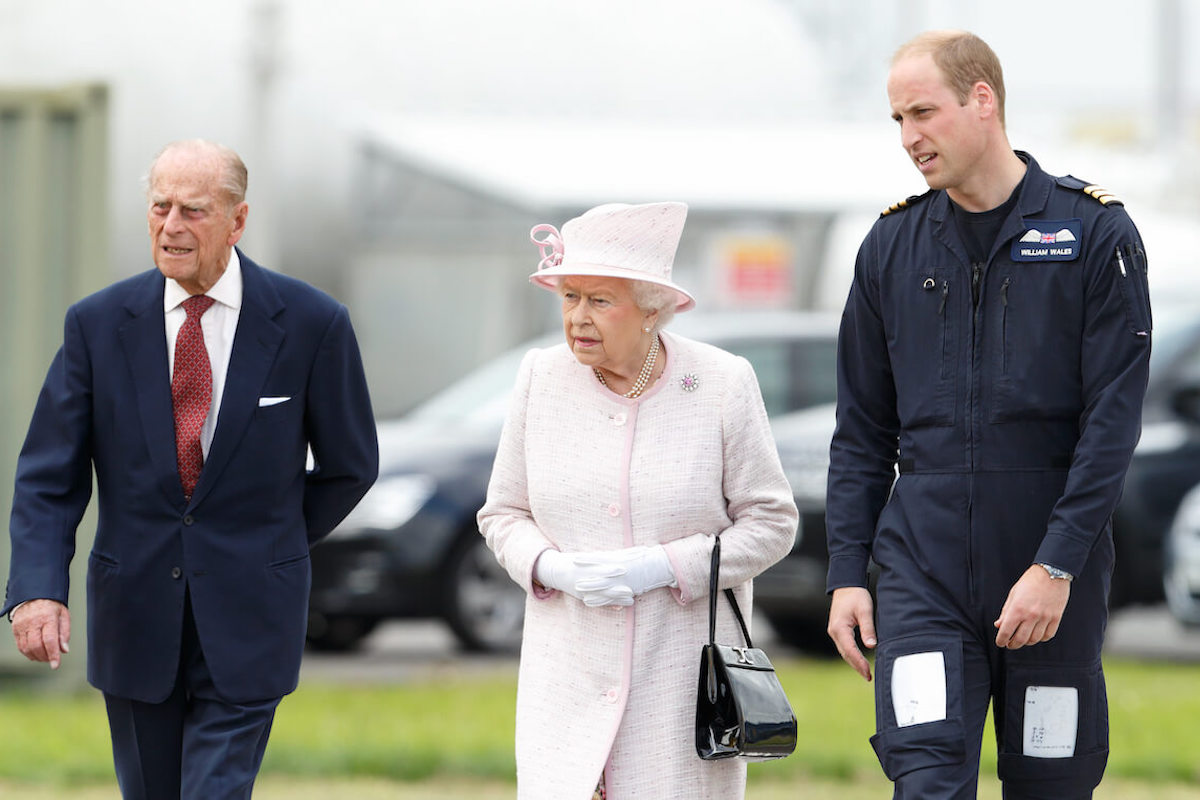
(994,351)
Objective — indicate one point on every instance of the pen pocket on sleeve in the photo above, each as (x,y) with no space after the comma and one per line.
(1129,261)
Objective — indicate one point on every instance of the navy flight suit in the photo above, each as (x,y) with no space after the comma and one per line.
(1008,397)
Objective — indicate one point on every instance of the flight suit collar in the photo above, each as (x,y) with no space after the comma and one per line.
(1035,196)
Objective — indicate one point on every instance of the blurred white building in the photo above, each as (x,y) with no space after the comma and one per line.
(443,241)
(720,104)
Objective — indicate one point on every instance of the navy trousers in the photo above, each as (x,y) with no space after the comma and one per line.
(945,571)
(194,745)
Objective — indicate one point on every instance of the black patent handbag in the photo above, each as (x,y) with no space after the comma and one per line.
(741,708)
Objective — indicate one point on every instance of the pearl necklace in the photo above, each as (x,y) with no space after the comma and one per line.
(643,377)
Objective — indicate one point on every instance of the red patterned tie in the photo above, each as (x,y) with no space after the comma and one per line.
(191,392)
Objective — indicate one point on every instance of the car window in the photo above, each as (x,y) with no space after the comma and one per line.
(792,374)
(795,371)
(1174,348)
(814,372)
(481,397)
(1187,365)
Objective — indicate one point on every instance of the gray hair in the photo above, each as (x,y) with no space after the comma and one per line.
(655,297)
(234,176)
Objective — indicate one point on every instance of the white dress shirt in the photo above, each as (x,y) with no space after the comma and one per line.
(219,324)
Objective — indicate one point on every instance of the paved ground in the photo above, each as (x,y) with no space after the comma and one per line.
(402,649)
(1151,632)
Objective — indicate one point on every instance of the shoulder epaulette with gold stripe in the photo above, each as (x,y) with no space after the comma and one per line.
(1103,196)
(1100,195)
(905,203)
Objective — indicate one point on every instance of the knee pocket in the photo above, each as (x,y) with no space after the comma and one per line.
(919,704)
(1054,737)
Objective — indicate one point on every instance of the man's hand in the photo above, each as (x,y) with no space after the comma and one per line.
(1033,609)
(852,608)
(42,629)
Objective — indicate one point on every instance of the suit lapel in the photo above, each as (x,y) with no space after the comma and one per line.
(144,340)
(255,345)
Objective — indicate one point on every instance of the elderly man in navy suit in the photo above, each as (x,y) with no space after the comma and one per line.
(196,392)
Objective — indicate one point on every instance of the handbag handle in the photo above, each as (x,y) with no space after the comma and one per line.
(712,597)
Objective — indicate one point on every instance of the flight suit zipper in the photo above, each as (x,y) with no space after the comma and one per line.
(1004,325)
(976,280)
(973,381)
(977,270)
(945,328)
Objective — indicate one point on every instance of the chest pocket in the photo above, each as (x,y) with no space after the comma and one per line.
(1034,326)
(925,344)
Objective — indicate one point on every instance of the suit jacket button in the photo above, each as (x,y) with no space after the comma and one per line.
(188,520)
(176,573)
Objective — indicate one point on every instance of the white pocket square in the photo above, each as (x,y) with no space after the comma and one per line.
(263,402)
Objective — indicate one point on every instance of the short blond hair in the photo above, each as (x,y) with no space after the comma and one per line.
(964,60)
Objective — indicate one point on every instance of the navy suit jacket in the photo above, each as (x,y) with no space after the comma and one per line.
(241,545)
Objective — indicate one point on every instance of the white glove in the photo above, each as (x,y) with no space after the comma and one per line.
(595,582)
(645,568)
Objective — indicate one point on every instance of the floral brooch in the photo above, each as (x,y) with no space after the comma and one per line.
(689,382)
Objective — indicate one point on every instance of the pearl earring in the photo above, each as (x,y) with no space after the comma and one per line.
(647,330)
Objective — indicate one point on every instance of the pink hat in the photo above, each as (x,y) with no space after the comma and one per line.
(615,240)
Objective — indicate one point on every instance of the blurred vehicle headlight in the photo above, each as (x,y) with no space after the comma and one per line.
(390,503)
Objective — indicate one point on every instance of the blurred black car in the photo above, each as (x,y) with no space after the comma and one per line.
(1166,463)
(791,594)
(411,549)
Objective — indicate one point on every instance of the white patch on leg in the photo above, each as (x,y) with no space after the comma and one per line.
(919,688)
(1051,721)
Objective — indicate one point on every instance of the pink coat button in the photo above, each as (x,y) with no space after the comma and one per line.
(614,509)
(611,695)
(620,419)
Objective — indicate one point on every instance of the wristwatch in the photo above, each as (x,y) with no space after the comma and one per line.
(1057,574)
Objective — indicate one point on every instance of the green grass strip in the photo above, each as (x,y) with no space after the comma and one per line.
(451,724)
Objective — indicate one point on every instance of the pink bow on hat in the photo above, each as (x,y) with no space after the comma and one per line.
(553,242)
(614,240)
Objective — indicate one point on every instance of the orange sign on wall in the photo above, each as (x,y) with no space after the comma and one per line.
(756,270)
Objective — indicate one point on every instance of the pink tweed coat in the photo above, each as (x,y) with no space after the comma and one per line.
(580,468)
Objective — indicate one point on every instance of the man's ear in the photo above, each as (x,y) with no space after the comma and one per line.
(984,97)
(240,212)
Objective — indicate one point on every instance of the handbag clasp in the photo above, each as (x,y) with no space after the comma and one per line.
(743,655)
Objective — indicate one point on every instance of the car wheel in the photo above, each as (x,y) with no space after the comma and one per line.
(802,633)
(337,633)
(485,608)
(1184,607)
(1182,601)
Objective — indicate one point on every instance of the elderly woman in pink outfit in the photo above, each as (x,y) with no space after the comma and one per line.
(626,449)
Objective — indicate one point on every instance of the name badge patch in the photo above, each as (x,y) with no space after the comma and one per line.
(1049,240)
